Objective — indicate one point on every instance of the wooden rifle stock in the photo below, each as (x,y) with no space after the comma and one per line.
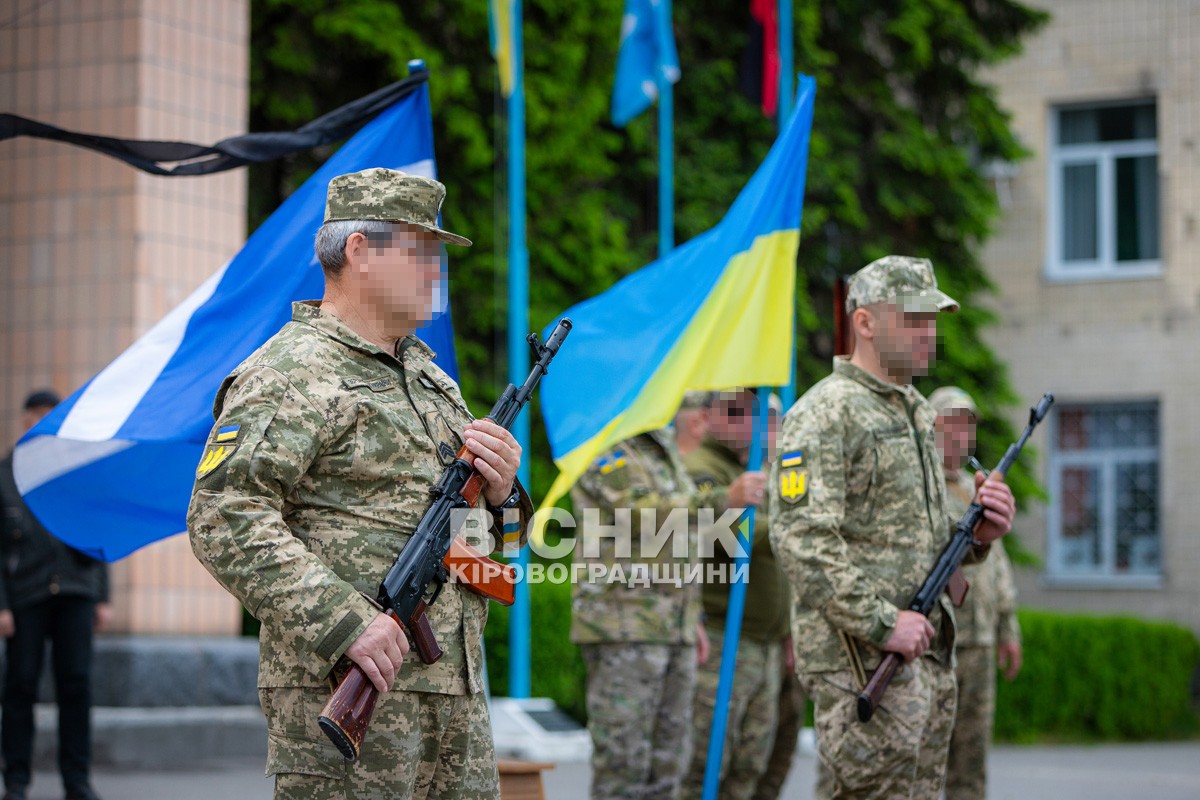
(872,693)
(476,571)
(474,485)
(482,575)
(345,717)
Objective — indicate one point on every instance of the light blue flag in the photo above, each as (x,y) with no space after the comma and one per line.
(111,468)
(647,51)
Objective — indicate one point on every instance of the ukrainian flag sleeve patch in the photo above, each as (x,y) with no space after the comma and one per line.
(611,462)
(793,478)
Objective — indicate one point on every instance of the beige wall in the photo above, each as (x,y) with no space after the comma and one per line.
(94,251)
(1111,340)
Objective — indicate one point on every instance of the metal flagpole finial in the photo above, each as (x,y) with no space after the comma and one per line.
(416,65)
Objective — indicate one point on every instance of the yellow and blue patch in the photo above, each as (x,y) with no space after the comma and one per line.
(611,462)
(512,534)
(220,447)
(793,478)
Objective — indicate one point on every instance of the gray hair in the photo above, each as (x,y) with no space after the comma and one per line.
(330,243)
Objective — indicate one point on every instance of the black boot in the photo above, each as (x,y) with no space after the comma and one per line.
(81,792)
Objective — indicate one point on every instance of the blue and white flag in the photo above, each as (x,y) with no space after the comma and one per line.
(111,468)
(647,52)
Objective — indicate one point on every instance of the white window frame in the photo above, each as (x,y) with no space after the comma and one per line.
(1104,155)
(1106,461)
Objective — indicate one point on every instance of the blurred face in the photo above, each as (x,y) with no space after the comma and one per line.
(691,423)
(955,432)
(731,419)
(396,275)
(905,341)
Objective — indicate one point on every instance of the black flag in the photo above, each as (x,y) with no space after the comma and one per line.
(236,151)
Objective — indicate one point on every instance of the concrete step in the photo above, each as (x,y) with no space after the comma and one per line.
(159,738)
(156,671)
(164,702)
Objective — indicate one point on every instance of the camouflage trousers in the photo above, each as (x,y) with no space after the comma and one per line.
(419,745)
(966,772)
(792,708)
(901,753)
(750,724)
(639,703)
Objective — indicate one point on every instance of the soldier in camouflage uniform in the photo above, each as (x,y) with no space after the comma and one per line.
(858,517)
(986,623)
(754,703)
(327,440)
(639,638)
(793,705)
(691,421)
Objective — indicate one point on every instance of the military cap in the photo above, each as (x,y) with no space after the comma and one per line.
(951,397)
(903,280)
(695,399)
(43,398)
(386,195)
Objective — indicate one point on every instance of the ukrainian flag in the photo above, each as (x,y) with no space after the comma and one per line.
(793,459)
(500,22)
(716,312)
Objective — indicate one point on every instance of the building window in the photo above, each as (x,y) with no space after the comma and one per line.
(1104,509)
(1104,197)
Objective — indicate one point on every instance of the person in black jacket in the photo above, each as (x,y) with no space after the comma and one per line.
(47,591)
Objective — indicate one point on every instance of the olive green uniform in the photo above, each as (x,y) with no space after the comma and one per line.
(638,636)
(315,475)
(987,618)
(754,703)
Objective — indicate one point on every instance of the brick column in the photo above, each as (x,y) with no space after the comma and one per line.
(94,252)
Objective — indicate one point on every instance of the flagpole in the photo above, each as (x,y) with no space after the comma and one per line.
(733,614)
(787,393)
(666,155)
(518,353)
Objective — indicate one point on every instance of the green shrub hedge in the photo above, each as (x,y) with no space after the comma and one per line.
(557,670)
(1099,678)
(1085,678)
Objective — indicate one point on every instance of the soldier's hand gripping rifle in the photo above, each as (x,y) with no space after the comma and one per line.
(947,564)
(417,576)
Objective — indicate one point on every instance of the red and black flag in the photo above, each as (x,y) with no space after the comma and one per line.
(760,61)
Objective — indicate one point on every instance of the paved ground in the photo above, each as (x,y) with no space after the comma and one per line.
(1104,772)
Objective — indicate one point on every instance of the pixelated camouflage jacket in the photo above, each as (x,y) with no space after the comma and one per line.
(765,619)
(989,614)
(857,516)
(316,473)
(644,472)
